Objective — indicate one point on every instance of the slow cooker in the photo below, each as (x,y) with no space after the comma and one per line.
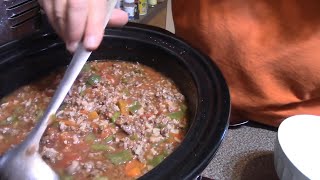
(200,80)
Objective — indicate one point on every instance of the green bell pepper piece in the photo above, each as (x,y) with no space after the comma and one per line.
(120,157)
(93,79)
(134,107)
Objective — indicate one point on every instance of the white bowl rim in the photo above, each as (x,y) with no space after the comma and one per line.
(291,133)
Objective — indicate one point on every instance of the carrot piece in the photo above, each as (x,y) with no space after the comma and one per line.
(93,115)
(134,172)
(123,106)
(178,135)
(134,168)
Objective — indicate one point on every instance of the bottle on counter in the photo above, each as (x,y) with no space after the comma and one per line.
(143,7)
(131,8)
(136,9)
(121,4)
(152,3)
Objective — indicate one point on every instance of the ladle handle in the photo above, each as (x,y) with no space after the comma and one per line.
(78,60)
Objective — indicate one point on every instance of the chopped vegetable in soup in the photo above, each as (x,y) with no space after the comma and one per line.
(118,121)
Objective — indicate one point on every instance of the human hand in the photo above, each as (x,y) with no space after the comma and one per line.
(76,20)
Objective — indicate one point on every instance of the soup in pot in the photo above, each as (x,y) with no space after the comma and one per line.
(118,121)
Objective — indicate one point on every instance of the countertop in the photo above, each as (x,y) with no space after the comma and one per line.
(246,153)
(151,13)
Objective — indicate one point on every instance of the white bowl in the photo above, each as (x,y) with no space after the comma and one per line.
(297,148)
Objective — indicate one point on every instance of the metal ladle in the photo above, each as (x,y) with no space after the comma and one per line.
(23,162)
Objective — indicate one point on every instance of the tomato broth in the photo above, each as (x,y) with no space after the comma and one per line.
(118,121)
